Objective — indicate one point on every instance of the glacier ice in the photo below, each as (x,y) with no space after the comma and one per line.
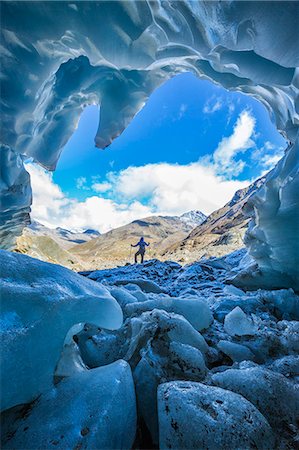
(40,302)
(287,366)
(272,393)
(159,347)
(194,309)
(195,416)
(16,195)
(236,323)
(58,57)
(93,409)
(236,352)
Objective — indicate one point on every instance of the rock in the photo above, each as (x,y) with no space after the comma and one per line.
(196,416)
(95,409)
(275,397)
(236,323)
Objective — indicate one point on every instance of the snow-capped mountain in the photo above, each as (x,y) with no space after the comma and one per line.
(69,238)
(193,218)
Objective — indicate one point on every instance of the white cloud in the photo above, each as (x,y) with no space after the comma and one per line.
(212,105)
(174,189)
(101,187)
(268,155)
(182,110)
(222,161)
(52,208)
(81,183)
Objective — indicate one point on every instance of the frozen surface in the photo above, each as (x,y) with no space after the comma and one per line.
(95,410)
(58,57)
(160,346)
(40,302)
(195,416)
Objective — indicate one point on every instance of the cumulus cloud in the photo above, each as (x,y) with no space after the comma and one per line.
(53,208)
(175,189)
(101,187)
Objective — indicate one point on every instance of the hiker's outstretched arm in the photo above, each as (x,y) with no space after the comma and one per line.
(134,245)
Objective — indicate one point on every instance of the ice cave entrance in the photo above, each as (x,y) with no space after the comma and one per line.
(190,148)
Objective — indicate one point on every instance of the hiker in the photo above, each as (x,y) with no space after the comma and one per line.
(141,249)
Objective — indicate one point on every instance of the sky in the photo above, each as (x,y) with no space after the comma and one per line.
(190,148)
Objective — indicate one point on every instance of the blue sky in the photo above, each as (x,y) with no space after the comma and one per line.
(209,140)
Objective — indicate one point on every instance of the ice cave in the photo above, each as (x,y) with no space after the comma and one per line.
(153,356)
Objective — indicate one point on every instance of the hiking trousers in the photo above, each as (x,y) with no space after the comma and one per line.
(141,253)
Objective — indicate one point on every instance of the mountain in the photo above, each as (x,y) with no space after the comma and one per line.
(114,247)
(52,245)
(193,218)
(75,238)
(184,238)
(221,233)
(63,236)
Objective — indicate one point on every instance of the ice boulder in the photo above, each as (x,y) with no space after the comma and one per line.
(287,366)
(159,347)
(194,309)
(284,301)
(236,352)
(70,362)
(160,363)
(95,409)
(122,296)
(196,416)
(275,397)
(100,347)
(145,285)
(40,302)
(237,323)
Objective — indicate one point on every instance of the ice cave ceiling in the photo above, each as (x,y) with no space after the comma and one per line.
(58,57)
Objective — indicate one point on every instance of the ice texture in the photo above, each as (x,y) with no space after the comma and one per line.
(58,57)
(94,409)
(195,416)
(195,309)
(235,351)
(40,302)
(236,323)
(159,346)
(272,393)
